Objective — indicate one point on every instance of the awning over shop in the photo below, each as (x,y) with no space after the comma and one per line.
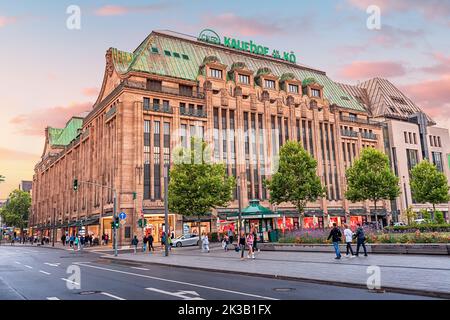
(254,211)
(358,212)
(195,218)
(380,212)
(336,212)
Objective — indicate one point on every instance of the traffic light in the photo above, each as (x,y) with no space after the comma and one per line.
(134,195)
(116,223)
(75,184)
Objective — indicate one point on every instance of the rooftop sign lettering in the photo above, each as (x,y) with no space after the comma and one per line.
(210,36)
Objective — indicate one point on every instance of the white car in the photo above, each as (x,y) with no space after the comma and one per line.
(419,221)
(399,224)
(189,239)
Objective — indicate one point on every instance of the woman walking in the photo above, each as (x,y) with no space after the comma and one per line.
(205,242)
(250,242)
(242,243)
(348,240)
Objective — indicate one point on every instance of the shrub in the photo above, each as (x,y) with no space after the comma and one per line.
(443,227)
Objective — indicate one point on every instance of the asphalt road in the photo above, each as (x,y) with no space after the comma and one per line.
(51,274)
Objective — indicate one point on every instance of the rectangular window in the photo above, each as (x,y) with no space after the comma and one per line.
(297,125)
(439,142)
(269,84)
(410,137)
(215,73)
(293,88)
(437,160)
(305,137)
(166,143)
(216,134)
(286,130)
(406,136)
(246,136)
(146,159)
(146,103)
(156,103)
(182,107)
(262,161)
(191,108)
(274,137)
(435,141)
(224,136)
(431,141)
(311,147)
(412,157)
(352,117)
(245,79)
(233,151)
(166,106)
(394,160)
(156,160)
(184,136)
(315,93)
(185,90)
(154,85)
(415,138)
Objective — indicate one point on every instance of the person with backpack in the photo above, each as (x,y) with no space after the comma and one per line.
(335,235)
(242,243)
(348,240)
(360,240)
(150,243)
(144,241)
(134,243)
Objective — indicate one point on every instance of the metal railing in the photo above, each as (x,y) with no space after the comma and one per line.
(349,133)
(369,135)
(193,113)
(195,93)
(158,108)
(358,120)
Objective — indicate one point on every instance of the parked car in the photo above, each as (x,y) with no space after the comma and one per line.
(189,239)
(419,221)
(399,224)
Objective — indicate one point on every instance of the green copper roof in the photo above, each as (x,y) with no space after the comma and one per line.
(62,137)
(144,59)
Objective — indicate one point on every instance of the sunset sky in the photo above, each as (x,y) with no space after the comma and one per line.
(49,72)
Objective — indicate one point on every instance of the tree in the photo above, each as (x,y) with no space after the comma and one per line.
(196,185)
(15,212)
(410,215)
(371,178)
(296,180)
(428,184)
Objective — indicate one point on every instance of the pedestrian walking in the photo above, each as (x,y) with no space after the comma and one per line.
(72,239)
(63,240)
(360,239)
(348,240)
(169,242)
(335,235)
(134,243)
(230,236)
(225,241)
(255,241)
(150,243)
(250,244)
(76,243)
(106,239)
(242,243)
(205,242)
(163,240)
(144,243)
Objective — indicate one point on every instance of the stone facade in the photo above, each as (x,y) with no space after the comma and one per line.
(245,115)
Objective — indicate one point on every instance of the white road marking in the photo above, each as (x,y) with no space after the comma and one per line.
(180,282)
(29,267)
(138,268)
(52,298)
(179,294)
(44,272)
(52,264)
(112,296)
(70,281)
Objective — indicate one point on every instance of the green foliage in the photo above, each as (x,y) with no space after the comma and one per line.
(371,178)
(423,227)
(197,186)
(296,180)
(439,217)
(410,215)
(2,178)
(15,212)
(428,184)
(308,81)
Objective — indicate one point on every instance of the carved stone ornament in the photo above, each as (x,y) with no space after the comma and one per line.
(109,63)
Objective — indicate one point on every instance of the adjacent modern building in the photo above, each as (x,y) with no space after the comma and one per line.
(243,99)
(409,137)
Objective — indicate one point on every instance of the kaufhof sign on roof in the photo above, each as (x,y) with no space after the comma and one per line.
(210,36)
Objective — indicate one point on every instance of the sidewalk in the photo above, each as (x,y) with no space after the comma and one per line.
(423,275)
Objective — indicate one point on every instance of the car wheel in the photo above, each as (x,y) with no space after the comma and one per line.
(179,244)
(199,243)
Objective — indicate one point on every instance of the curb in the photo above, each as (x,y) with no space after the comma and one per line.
(434,294)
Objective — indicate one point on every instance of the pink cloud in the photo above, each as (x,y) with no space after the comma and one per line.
(441,67)
(233,24)
(359,70)
(91,92)
(4,21)
(33,124)
(116,10)
(432,95)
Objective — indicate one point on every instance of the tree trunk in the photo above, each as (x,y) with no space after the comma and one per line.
(300,217)
(433,213)
(376,215)
(199,221)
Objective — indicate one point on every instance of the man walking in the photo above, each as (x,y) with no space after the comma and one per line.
(134,243)
(336,235)
(63,239)
(144,241)
(360,239)
(150,243)
(348,240)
